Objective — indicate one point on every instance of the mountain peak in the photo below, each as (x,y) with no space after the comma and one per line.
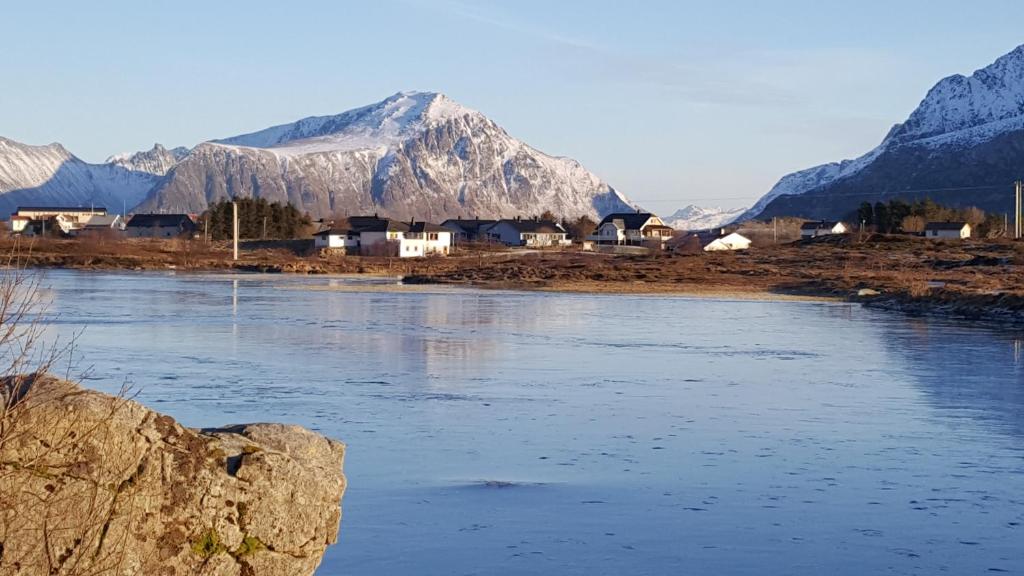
(369,127)
(695,217)
(976,103)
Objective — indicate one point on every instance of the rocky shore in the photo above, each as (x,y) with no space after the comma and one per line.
(94,484)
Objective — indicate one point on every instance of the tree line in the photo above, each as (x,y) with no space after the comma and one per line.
(898,216)
(282,221)
(577,229)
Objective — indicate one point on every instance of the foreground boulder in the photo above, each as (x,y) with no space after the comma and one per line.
(94,484)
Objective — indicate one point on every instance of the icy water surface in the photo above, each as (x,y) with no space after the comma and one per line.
(509,433)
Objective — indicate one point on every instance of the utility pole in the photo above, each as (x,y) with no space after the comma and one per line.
(775,229)
(264,237)
(1016,209)
(234,221)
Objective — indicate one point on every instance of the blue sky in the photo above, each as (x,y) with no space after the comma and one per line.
(671,102)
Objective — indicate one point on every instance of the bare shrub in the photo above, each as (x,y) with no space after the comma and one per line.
(65,523)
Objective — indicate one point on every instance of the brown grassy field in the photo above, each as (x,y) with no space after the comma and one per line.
(971,277)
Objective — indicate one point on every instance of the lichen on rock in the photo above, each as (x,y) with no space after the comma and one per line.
(97,484)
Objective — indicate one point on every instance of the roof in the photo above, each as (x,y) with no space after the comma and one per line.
(101,220)
(819,225)
(335,232)
(945,226)
(160,221)
(426,227)
(630,220)
(472,225)
(97,209)
(357,224)
(533,226)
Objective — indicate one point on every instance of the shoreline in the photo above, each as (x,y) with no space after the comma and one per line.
(969,279)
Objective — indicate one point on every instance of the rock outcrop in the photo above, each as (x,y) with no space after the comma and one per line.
(95,484)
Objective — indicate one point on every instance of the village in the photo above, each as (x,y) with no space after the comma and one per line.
(636,232)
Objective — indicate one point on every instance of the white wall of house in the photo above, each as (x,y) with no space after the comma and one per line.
(17,224)
(405,244)
(437,243)
(609,233)
(341,240)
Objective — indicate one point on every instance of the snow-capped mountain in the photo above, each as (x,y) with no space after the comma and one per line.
(697,218)
(413,155)
(157,160)
(50,175)
(968,132)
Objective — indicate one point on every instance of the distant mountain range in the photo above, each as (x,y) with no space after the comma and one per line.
(696,218)
(415,154)
(963,146)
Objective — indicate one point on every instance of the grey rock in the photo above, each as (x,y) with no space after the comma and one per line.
(95,484)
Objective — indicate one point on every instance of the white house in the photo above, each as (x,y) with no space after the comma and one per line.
(734,241)
(337,238)
(822,228)
(956,230)
(63,216)
(96,223)
(632,229)
(533,233)
(373,236)
(709,241)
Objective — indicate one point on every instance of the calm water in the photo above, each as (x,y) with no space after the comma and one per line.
(507,433)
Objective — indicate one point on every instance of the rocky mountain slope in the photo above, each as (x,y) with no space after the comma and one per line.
(697,218)
(414,154)
(50,175)
(157,160)
(963,145)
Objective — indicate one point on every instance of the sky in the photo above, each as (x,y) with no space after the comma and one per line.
(671,102)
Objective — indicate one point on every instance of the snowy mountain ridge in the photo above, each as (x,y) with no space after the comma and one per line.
(959,112)
(51,175)
(383,124)
(694,217)
(414,154)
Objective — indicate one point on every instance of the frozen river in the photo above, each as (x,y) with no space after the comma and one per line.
(528,433)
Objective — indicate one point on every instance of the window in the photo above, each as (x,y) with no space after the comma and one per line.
(432,236)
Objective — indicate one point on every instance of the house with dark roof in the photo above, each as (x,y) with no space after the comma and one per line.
(955,230)
(468,230)
(160,226)
(374,236)
(823,228)
(632,229)
(534,233)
